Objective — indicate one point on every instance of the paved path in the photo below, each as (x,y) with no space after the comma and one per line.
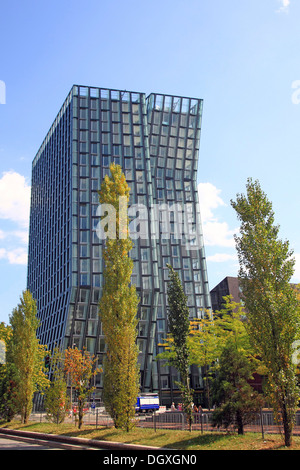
(18,443)
(13,444)
(67,442)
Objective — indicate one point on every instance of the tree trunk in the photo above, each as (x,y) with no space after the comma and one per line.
(26,412)
(286,427)
(80,412)
(240,424)
(207,386)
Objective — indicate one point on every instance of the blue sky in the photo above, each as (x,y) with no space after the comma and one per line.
(241,57)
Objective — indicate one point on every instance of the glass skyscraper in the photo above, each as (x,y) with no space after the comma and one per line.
(156,140)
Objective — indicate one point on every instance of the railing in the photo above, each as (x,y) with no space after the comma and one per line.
(262,422)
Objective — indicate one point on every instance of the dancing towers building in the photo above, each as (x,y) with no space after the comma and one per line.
(156,142)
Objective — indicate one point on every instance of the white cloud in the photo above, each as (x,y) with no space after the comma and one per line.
(216,233)
(15,208)
(11,236)
(14,198)
(21,235)
(221,258)
(209,199)
(14,256)
(284,8)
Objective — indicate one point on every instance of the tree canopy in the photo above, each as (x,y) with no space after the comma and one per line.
(118,306)
(266,268)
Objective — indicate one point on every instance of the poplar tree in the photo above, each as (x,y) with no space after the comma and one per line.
(56,400)
(266,268)
(6,403)
(25,356)
(118,305)
(179,327)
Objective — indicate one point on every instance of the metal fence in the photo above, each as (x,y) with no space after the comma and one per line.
(262,422)
(97,417)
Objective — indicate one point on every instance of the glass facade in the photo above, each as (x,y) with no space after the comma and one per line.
(156,140)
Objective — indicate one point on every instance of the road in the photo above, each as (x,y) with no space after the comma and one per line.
(7,443)
(12,443)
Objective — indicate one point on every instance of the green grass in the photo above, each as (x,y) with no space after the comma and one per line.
(174,439)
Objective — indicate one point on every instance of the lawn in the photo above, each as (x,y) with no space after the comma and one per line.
(183,440)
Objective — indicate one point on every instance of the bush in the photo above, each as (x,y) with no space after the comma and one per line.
(56,401)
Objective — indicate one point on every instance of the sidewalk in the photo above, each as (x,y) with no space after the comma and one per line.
(105,445)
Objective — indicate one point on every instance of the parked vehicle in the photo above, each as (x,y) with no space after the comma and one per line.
(147,402)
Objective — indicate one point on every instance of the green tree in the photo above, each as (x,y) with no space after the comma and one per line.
(25,356)
(210,334)
(79,367)
(5,333)
(237,403)
(118,305)
(266,267)
(179,327)
(203,344)
(56,400)
(229,325)
(7,408)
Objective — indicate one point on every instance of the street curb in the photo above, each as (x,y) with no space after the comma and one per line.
(107,445)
